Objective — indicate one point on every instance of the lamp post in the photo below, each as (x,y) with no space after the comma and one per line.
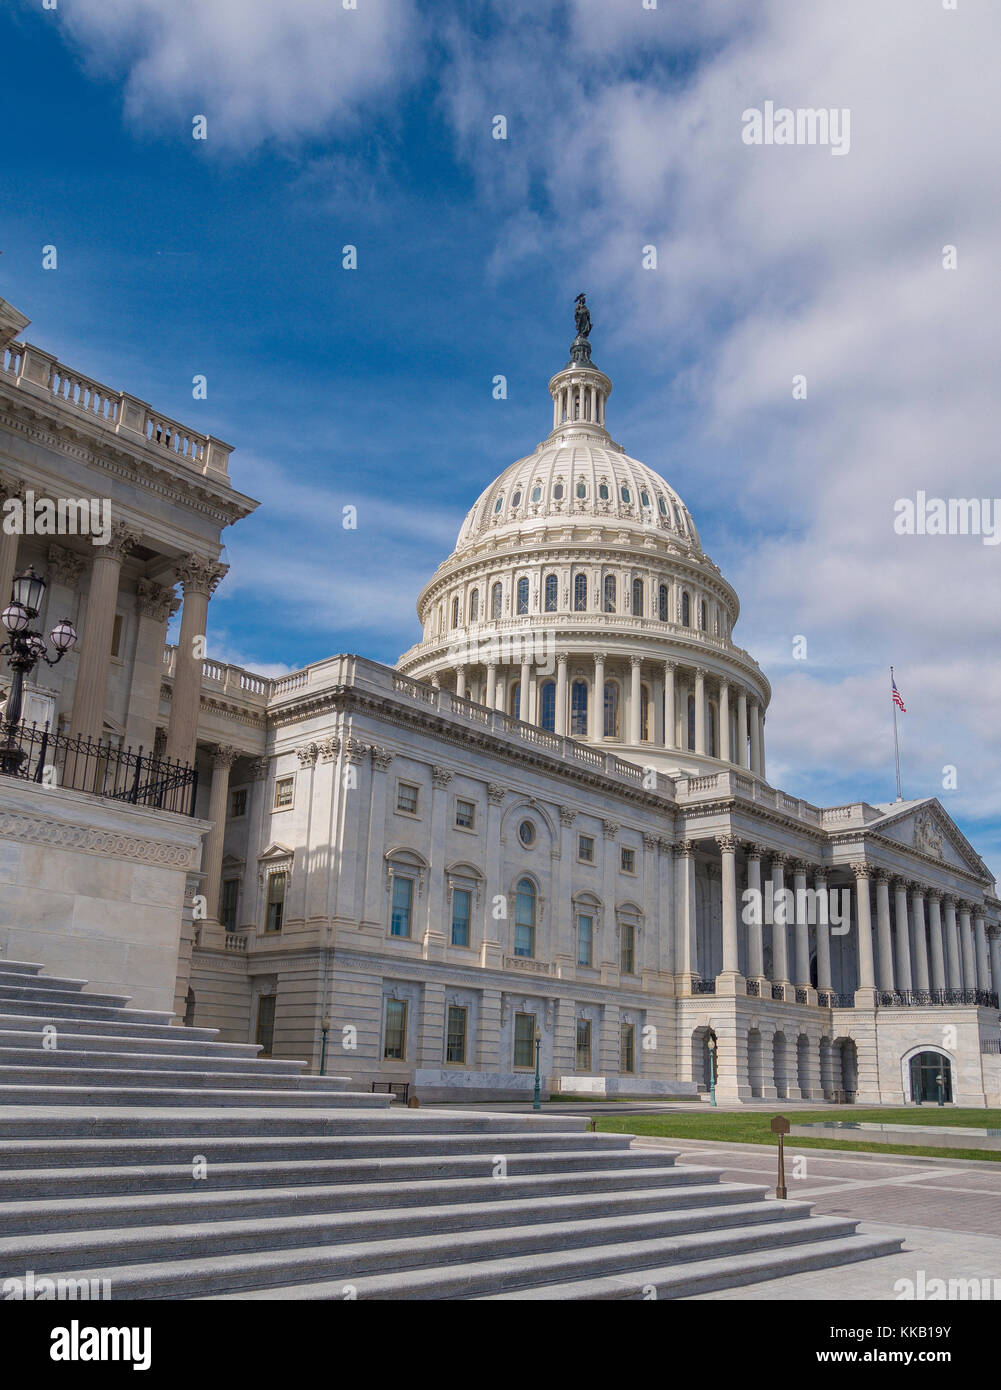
(711,1044)
(536,1103)
(24,649)
(324,1030)
(938,1086)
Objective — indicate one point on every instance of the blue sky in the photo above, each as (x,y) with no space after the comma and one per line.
(373,387)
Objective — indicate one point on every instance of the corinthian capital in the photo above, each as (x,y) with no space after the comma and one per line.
(121,541)
(155,600)
(198,575)
(224,756)
(65,566)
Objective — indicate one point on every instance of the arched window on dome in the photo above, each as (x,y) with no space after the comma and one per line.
(625,495)
(552,593)
(547,713)
(496,600)
(646,709)
(514,700)
(455,611)
(637,598)
(576,405)
(663,608)
(578,709)
(536,494)
(516,499)
(703,624)
(441,618)
(686,610)
(662,506)
(644,498)
(712,732)
(580,593)
(498,504)
(603,492)
(558,493)
(523,595)
(474,606)
(691,722)
(582,490)
(524,918)
(611,709)
(609,594)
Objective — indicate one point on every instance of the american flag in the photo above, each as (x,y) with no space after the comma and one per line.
(897,700)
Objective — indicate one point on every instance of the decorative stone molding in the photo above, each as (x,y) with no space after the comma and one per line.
(685,848)
(495,793)
(223,755)
(198,575)
(927,836)
(880,875)
(780,858)
(567,815)
(155,601)
(381,758)
(650,842)
(666,846)
(754,851)
(609,829)
(307,755)
(36,830)
(121,541)
(258,769)
(728,843)
(11,489)
(355,751)
(440,776)
(862,870)
(65,566)
(329,748)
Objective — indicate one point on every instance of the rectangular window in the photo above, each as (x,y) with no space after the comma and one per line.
(238,803)
(524,1041)
(627,1051)
(116,635)
(276,902)
(283,793)
(585,848)
(627,860)
(455,1037)
(406,797)
(266,1022)
(403,906)
(462,902)
(395,1045)
(585,937)
(627,949)
(227,903)
(465,814)
(583,1044)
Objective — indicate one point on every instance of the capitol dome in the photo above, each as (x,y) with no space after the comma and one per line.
(578,599)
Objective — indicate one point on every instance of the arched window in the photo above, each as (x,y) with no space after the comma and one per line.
(637,598)
(691,722)
(580,593)
(686,610)
(496,599)
(548,712)
(609,604)
(516,499)
(663,610)
(603,492)
(645,713)
(455,611)
(558,493)
(474,606)
(524,918)
(702,614)
(611,709)
(523,595)
(515,699)
(552,592)
(713,725)
(582,490)
(578,709)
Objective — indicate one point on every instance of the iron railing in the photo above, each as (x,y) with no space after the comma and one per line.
(983,998)
(80,764)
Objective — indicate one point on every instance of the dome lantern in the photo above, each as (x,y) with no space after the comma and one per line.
(580,391)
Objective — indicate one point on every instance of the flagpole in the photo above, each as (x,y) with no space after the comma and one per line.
(896,744)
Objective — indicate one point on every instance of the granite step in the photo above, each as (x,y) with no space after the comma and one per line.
(20,967)
(213,1094)
(55,996)
(119,1024)
(124,1058)
(54,1010)
(61,1073)
(27,1040)
(10,975)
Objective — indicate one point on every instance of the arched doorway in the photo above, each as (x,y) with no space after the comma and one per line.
(705,1066)
(803,1065)
(845,1066)
(779,1066)
(931,1078)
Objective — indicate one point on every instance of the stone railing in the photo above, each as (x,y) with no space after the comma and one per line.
(221,677)
(41,375)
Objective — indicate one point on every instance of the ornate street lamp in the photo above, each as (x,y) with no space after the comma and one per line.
(324,1030)
(536,1102)
(24,650)
(938,1083)
(711,1044)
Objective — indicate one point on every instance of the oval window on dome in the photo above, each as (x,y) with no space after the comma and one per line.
(603,492)
(516,500)
(645,498)
(662,505)
(536,494)
(624,494)
(582,490)
(558,492)
(498,504)
(526,833)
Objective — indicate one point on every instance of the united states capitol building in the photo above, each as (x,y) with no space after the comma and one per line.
(548,827)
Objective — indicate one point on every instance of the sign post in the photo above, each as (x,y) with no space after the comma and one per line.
(780,1126)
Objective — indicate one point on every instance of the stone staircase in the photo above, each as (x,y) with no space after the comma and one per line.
(174,1166)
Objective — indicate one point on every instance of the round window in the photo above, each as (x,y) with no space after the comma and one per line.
(526,832)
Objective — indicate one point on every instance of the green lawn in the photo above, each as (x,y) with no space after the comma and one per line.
(754,1127)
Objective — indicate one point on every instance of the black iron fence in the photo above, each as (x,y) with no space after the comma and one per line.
(38,755)
(986,999)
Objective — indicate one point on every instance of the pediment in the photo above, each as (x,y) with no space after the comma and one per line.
(274,851)
(928,829)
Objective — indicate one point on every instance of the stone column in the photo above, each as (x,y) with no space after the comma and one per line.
(460,682)
(884,942)
(755,738)
(700,709)
(670,706)
(780,933)
(728,884)
(564,955)
(561,693)
(741,758)
(524,682)
(966,947)
(154,605)
(11,489)
(920,941)
(801,930)
(935,938)
(983,968)
(903,936)
(823,934)
(495,936)
(865,995)
(222,759)
(635,701)
(249,915)
(436,933)
(761,741)
(198,578)
(755,930)
(952,943)
(375,866)
(995,948)
(91,689)
(491,698)
(597,720)
(685,958)
(725,751)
